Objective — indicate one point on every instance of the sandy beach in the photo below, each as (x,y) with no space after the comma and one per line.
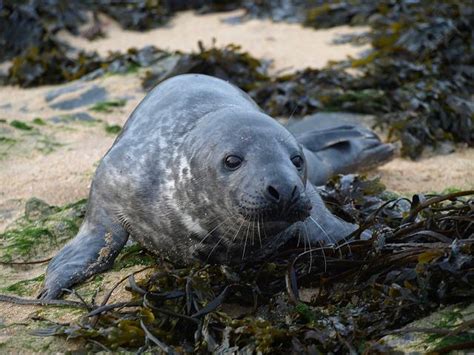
(63,174)
(53,137)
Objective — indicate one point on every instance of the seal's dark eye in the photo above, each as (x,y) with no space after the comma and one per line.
(297,161)
(232,162)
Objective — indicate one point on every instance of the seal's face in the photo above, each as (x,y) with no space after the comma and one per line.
(258,174)
(263,173)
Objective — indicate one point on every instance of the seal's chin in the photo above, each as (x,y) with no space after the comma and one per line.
(298,211)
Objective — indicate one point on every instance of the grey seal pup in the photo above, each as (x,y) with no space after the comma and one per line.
(200,172)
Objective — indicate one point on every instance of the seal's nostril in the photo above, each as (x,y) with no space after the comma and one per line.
(273,193)
(295,193)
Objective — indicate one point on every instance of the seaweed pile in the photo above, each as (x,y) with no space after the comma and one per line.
(422,64)
(28,34)
(28,38)
(228,63)
(313,90)
(143,15)
(27,24)
(420,257)
(58,65)
(33,24)
(418,79)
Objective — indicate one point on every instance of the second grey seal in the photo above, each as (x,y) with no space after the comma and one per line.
(200,172)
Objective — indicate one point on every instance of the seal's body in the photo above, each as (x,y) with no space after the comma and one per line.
(199,172)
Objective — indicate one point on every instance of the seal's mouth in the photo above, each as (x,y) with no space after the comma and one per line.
(254,230)
(290,214)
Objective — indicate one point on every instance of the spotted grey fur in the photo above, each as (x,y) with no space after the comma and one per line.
(164,182)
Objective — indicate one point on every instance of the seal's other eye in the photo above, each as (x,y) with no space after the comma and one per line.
(297,161)
(232,162)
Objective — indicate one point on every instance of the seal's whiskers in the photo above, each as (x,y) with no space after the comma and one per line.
(258,228)
(253,229)
(332,240)
(299,238)
(245,242)
(209,233)
(328,237)
(310,248)
(238,231)
(221,238)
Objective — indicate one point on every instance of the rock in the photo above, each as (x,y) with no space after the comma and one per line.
(36,209)
(354,118)
(87,98)
(75,117)
(10,210)
(42,228)
(422,342)
(53,94)
(83,116)
(445,147)
(160,71)
(93,75)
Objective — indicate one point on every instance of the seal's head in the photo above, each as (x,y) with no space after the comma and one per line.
(257,170)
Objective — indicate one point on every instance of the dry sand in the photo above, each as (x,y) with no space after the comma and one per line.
(290,46)
(64,175)
(434,174)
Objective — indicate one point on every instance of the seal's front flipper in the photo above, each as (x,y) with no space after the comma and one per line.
(93,250)
(336,146)
(322,225)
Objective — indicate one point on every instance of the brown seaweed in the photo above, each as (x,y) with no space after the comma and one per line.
(228,63)
(54,63)
(420,257)
(422,63)
(417,80)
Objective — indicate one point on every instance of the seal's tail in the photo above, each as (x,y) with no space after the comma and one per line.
(337,146)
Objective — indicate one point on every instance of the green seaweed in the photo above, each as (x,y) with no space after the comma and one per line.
(451,189)
(113,129)
(6,143)
(22,242)
(108,106)
(306,313)
(368,101)
(449,321)
(7,140)
(47,145)
(42,229)
(39,121)
(24,287)
(133,255)
(21,125)
(91,287)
